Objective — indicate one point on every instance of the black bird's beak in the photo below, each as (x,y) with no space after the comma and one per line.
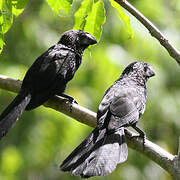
(88,39)
(150,72)
(91,39)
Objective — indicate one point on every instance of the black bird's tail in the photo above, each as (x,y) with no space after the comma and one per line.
(98,154)
(11,114)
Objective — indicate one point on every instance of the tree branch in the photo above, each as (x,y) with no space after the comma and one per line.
(166,160)
(154,31)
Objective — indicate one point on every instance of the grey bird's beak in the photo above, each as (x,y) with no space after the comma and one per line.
(150,72)
(88,39)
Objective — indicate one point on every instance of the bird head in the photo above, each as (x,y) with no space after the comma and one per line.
(77,39)
(140,71)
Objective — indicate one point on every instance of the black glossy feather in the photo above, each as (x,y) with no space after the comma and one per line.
(48,76)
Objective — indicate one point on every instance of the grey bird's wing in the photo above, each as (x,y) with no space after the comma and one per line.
(98,154)
(119,107)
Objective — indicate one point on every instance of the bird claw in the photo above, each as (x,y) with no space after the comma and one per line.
(142,136)
(72,101)
(141,133)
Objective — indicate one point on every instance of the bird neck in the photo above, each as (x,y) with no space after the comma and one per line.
(135,79)
(73,49)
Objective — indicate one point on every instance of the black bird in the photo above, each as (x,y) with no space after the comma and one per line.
(122,106)
(48,76)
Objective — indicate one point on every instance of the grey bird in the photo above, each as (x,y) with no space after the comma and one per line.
(48,76)
(122,106)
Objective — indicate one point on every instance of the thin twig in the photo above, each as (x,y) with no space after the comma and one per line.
(154,31)
(166,160)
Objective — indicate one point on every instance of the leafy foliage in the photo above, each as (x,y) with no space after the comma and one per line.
(8,8)
(82,13)
(60,6)
(123,16)
(95,20)
(6,15)
(18,6)
(89,17)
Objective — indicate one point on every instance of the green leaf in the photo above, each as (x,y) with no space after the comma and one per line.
(82,13)
(95,20)
(7,9)
(123,17)
(60,7)
(1,42)
(6,16)
(18,6)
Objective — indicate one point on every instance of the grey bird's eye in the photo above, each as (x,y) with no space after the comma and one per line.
(145,68)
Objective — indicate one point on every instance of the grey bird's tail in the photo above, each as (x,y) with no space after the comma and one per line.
(11,114)
(98,154)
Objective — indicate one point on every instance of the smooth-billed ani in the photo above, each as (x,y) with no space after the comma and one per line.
(122,106)
(48,76)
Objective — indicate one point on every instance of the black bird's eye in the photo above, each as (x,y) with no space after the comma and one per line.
(145,68)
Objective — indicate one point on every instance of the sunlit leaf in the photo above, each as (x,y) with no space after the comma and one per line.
(6,20)
(1,42)
(6,16)
(95,20)
(82,13)
(123,17)
(18,6)
(60,7)
(8,8)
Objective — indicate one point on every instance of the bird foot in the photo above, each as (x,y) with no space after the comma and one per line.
(70,99)
(142,136)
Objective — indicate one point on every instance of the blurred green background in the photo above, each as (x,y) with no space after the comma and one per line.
(42,138)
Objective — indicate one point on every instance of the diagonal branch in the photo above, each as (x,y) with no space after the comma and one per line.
(154,31)
(166,160)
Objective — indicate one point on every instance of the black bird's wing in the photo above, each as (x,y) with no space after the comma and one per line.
(49,74)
